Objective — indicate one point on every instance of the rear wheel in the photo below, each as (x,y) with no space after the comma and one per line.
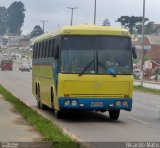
(39,103)
(38,97)
(52,98)
(114,114)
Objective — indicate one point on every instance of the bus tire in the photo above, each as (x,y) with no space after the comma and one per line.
(38,96)
(52,98)
(114,114)
(40,105)
(58,114)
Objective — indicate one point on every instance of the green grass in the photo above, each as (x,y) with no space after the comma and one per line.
(26,53)
(147,90)
(46,127)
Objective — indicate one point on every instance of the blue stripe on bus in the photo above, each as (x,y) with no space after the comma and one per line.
(43,62)
(108,103)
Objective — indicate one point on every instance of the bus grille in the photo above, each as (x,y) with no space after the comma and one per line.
(98,95)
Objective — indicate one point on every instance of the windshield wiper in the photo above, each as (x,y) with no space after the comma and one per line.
(86,67)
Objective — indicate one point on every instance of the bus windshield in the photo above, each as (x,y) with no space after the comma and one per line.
(96,55)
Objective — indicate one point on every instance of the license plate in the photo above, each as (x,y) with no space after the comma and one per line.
(97,104)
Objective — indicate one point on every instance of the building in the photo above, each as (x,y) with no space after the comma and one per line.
(150,66)
(10,41)
(151,47)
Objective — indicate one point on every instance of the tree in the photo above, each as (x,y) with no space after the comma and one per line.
(3,20)
(36,31)
(106,22)
(130,22)
(16,17)
(149,28)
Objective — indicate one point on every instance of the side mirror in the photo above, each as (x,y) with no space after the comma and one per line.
(56,52)
(134,53)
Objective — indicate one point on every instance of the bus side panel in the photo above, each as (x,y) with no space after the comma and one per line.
(43,74)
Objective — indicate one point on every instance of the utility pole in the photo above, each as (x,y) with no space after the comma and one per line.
(43,22)
(72,8)
(95,6)
(142,50)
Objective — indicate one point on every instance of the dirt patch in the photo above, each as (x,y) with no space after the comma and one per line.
(1,97)
(20,121)
(14,110)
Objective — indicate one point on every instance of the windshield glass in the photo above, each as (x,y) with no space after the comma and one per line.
(96,55)
(114,53)
(77,53)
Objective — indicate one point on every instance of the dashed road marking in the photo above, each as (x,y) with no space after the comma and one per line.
(140,121)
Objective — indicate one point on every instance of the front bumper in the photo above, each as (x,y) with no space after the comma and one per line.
(96,103)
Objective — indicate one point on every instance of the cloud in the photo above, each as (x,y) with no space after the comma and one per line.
(55,11)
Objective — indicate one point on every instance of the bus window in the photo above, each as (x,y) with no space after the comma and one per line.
(38,50)
(43,51)
(46,49)
(34,50)
(49,48)
(52,48)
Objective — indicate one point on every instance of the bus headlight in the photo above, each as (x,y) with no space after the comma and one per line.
(118,103)
(125,103)
(74,103)
(66,102)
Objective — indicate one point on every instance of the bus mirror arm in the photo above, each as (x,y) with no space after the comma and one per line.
(134,53)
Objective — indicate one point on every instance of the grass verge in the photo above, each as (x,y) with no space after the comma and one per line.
(147,90)
(47,128)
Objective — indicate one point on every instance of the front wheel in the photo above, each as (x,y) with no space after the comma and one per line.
(114,114)
(58,114)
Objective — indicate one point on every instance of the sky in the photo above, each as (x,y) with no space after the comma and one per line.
(57,14)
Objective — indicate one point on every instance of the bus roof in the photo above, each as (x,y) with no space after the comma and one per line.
(84,30)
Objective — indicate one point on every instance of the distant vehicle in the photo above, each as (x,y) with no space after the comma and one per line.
(24,68)
(13,57)
(6,65)
(5,54)
(136,73)
(0,49)
(30,67)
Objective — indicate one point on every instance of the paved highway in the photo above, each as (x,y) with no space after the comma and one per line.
(142,124)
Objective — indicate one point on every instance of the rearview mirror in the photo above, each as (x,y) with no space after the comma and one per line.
(134,53)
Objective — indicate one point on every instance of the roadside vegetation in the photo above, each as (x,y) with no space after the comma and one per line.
(147,90)
(47,128)
(23,52)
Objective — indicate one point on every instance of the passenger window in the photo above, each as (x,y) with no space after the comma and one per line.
(52,48)
(49,48)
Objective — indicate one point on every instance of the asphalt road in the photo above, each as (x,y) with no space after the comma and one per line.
(142,124)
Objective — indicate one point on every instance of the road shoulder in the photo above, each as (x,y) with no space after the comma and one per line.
(13,127)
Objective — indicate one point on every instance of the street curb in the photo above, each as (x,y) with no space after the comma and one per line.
(150,82)
(64,130)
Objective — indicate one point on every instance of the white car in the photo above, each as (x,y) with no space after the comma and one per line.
(5,54)
(136,72)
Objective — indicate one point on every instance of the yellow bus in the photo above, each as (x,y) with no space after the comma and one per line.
(84,67)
